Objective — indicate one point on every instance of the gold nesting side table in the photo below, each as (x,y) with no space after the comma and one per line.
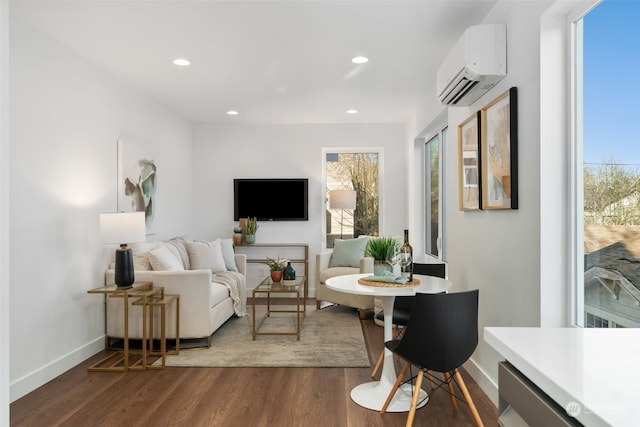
(159,301)
(148,298)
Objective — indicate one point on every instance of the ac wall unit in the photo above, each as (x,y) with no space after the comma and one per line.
(477,62)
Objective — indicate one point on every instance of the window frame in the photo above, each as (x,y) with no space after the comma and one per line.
(441,138)
(356,150)
(439,128)
(576,170)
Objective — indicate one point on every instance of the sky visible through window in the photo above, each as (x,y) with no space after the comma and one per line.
(612,84)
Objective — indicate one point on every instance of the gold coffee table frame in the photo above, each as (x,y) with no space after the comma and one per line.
(268,287)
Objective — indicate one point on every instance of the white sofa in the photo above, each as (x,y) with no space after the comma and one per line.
(208,296)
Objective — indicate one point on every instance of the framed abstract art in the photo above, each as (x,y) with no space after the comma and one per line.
(137,180)
(499,152)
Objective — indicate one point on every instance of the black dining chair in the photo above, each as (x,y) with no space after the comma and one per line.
(443,334)
(402,306)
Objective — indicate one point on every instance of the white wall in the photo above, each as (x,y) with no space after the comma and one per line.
(4,213)
(224,152)
(66,116)
(499,251)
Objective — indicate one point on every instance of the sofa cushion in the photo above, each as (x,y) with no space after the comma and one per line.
(174,251)
(179,243)
(162,258)
(347,253)
(228,254)
(218,293)
(206,256)
(140,252)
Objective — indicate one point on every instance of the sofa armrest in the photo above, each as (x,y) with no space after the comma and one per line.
(322,261)
(241,263)
(192,285)
(194,288)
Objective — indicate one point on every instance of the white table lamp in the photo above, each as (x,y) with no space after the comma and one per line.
(122,228)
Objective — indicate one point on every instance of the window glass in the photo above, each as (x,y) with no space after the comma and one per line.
(432,196)
(357,172)
(607,118)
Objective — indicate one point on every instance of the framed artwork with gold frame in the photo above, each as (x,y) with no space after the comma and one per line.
(499,152)
(469,188)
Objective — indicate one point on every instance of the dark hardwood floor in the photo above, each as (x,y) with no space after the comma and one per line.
(256,397)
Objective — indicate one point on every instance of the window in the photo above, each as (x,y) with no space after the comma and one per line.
(606,117)
(433,189)
(434,214)
(593,321)
(357,171)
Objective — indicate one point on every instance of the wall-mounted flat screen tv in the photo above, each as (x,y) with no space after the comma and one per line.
(282,199)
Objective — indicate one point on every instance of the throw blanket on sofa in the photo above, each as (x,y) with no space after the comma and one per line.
(234,282)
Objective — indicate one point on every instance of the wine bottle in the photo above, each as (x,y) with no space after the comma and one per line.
(406,257)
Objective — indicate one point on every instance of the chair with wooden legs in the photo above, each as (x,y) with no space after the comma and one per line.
(402,307)
(443,335)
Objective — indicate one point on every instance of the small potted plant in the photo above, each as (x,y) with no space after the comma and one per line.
(250,228)
(276,266)
(381,249)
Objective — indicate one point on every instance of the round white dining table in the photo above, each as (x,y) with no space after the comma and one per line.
(373,394)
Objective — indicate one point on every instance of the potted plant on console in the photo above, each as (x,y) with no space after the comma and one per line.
(277,267)
(250,228)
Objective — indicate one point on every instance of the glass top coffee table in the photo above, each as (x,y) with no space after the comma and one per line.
(273,292)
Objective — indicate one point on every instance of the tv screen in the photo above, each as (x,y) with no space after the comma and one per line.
(271,199)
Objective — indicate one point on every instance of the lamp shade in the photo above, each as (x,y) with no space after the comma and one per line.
(122,227)
(342,199)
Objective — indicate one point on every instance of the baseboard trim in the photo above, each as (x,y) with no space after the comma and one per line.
(484,381)
(46,373)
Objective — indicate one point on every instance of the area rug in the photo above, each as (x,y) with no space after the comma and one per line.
(331,337)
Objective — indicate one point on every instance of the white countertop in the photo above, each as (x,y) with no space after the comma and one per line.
(599,369)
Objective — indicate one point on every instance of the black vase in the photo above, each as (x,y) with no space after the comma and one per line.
(289,275)
(124,277)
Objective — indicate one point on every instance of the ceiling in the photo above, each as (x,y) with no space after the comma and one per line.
(272,61)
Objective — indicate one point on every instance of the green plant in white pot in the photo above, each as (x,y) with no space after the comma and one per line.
(381,249)
(250,229)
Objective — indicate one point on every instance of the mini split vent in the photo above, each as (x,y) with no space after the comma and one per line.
(477,62)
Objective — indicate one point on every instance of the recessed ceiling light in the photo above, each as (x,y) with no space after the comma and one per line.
(232,112)
(182,62)
(352,111)
(360,60)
